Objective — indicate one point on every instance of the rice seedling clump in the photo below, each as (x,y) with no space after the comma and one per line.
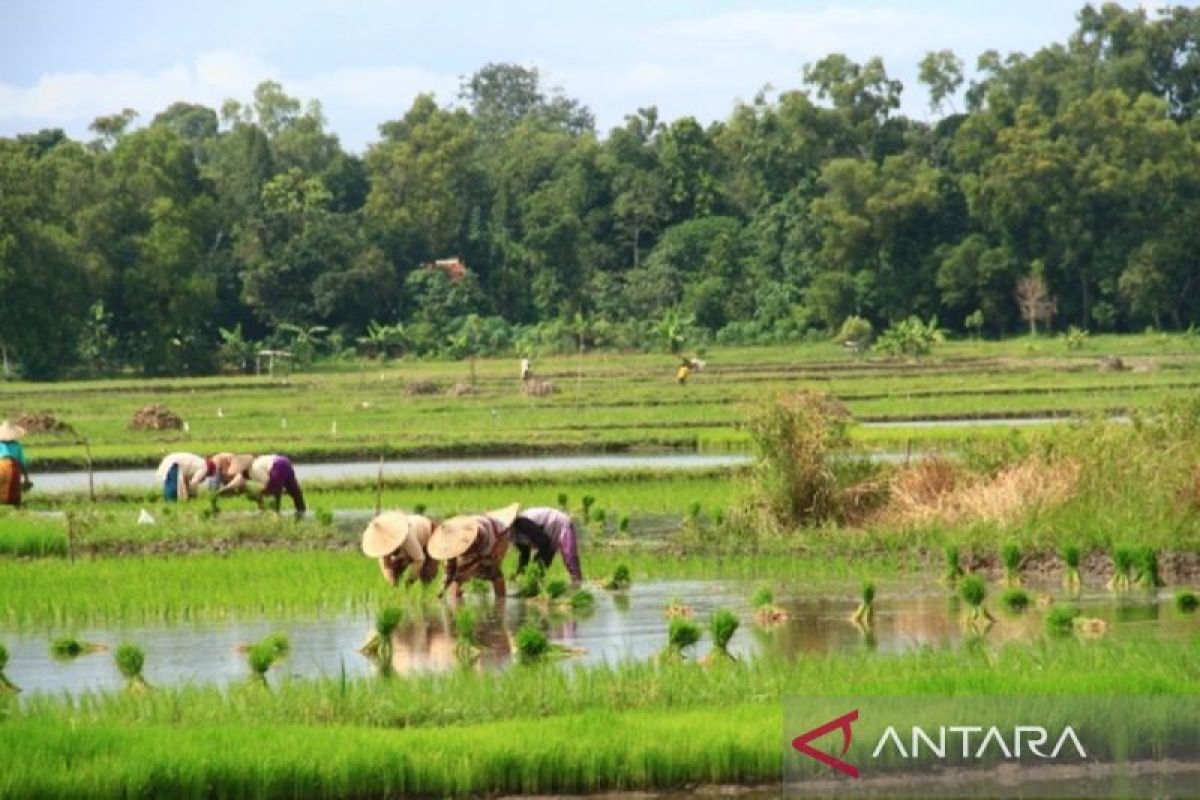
(865,613)
(1071,557)
(1060,619)
(722,625)
(1186,601)
(681,634)
(532,643)
(620,580)
(5,684)
(1015,599)
(1010,555)
(130,662)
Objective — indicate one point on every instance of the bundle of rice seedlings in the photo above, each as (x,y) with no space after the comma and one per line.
(1060,619)
(1147,568)
(864,615)
(386,622)
(973,591)
(620,580)
(588,501)
(532,644)
(952,571)
(681,634)
(1186,601)
(466,636)
(279,643)
(261,656)
(555,589)
(130,662)
(581,600)
(722,625)
(1123,559)
(6,686)
(1071,556)
(1010,555)
(67,647)
(766,613)
(677,609)
(1015,600)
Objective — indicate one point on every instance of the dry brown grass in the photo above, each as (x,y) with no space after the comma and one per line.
(939,491)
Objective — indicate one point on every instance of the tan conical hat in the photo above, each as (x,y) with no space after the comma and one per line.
(10,432)
(385,534)
(505,516)
(453,538)
(240,463)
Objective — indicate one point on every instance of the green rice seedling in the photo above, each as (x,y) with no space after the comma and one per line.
(555,589)
(581,600)
(588,501)
(563,500)
(973,591)
(952,569)
(130,662)
(1148,576)
(1186,601)
(6,686)
(722,625)
(279,643)
(1010,556)
(695,511)
(419,508)
(718,516)
(1060,619)
(600,517)
(386,622)
(1071,557)
(466,635)
(1015,600)
(324,516)
(766,613)
(865,613)
(532,644)
(763,596)
(529,582)
(1124,559)
(260,657)
(623,524)
(67,647)
(621,579)
(477,587)
(681,634)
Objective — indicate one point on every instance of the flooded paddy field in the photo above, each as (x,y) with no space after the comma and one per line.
(622,627)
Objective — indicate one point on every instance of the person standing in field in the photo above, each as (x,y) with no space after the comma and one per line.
(473,546)
(548,531)
(274,472)
(14,469)
(182,475)
(398,540)
(684,371)
(526,370)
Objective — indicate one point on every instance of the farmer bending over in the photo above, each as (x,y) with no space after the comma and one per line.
(182,475)
(473,547)
(14,469)
(398,541)
(276,475)
(548,531)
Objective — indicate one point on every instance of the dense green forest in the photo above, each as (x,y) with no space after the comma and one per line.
(1064,191)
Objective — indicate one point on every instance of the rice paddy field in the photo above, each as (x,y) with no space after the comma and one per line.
(1002,519)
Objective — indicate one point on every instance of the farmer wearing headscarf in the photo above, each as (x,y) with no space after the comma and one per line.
(274,472)
(14,469)
(548,531)
(182,475)
(474,547)
(398,540)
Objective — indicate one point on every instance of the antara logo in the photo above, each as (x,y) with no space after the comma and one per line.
(1024,739)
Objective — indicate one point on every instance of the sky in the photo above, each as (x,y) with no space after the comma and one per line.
(62,64)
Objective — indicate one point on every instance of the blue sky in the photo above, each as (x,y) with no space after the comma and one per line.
(62,64)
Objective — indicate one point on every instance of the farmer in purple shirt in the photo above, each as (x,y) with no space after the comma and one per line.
(548,531)
(274,472)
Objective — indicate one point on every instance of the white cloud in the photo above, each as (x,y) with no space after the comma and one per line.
(375,88)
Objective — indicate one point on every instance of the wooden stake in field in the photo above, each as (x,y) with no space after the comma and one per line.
(87,449)
(379,490)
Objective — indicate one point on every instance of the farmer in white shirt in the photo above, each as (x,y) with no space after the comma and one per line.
(548,531)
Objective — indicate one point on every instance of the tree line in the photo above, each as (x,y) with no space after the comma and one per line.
(1065,191)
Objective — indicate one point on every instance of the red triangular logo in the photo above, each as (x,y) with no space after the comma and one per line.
(801,743)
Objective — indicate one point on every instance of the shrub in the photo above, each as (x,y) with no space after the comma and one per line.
(910,337)
(855,331)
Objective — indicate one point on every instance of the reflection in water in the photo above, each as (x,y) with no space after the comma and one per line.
(622,626)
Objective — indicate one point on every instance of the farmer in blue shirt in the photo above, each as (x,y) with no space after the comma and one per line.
(14,469)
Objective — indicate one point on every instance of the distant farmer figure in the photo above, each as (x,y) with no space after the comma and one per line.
(398,541)
(274,472)
(182,475)
(14,469)
(473,547)
(526,370)
(684,371)
(548,531)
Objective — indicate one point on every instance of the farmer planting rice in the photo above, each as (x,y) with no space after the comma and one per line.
(182,475)
(274,472)
(14,469)
(548,531)
(399,540)
(474,547)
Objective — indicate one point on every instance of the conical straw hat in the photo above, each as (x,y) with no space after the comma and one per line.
(453,537)
(505,516)
(385,534)
(10,432)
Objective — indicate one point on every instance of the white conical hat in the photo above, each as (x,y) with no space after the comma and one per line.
(385,534)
